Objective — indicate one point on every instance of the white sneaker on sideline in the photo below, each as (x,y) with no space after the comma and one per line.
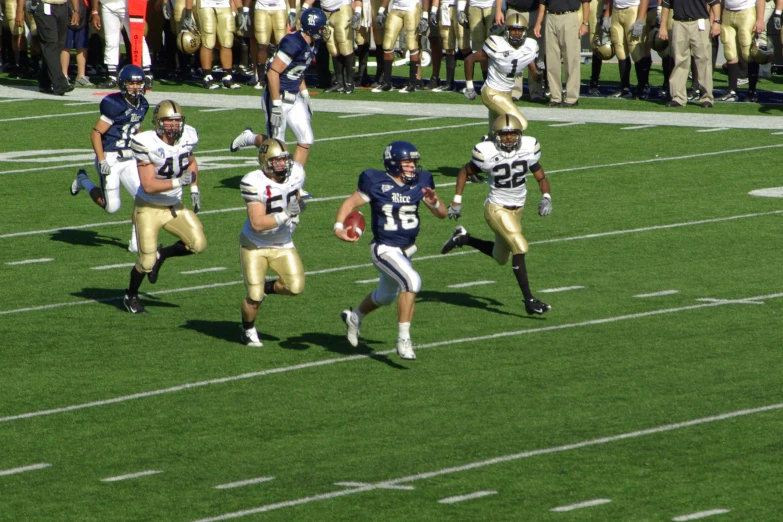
(405,349)
(352,326)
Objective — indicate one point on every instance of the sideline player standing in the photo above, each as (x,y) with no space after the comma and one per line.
(166,164)
(394,196)
(507,159)
(121,116)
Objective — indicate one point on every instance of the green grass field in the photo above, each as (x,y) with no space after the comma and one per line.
(653,407)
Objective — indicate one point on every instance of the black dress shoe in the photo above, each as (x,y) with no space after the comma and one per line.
(706,104)
(553,104)
(673,104)
(564,104)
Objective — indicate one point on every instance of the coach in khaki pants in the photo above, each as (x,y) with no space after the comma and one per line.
(563,42)
(690,35)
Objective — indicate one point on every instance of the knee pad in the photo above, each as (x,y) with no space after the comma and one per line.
(146,262)
(199,244)
(382,298)
(112,200)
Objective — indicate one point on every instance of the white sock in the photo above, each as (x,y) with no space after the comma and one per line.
(405,331)
(133,235)
(250,141)
(358,314)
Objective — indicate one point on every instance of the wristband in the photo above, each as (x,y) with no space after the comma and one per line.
(194,189)
(305,6)
(304,93)
(435,206)
(425,15)
(277,103)
(357,10)
(339,226)
(433,10)
(547,196)
(176,183)
(461,4)
(292,11)
(280,218)
(469,84)
(457,199)
(381,10)
(94,13)
(778,12)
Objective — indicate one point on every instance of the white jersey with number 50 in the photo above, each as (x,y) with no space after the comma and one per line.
(170,161)
(507,170)
(506,62)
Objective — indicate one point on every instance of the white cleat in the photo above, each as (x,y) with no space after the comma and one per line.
(76,186)
(405,349)
(352,327)
(250,338)
(241,140)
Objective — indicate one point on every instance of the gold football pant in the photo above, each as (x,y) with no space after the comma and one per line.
(176,220)
(499,103)
(737,28)
(507,226)
(257,261)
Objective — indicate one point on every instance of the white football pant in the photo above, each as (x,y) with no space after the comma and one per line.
(397,274)
(123,170)
(114,16)
(296,116)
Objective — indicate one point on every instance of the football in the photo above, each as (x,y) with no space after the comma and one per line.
(354,224)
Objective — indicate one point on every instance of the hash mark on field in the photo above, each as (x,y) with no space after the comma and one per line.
(561,289)
(219,109)
(469,496)
(377,486)
(202,270)
(700,514)
(77,104)
(366,281)
(361,115)
(46,116)
(776,133)
(31,467)
(717,129)
(14,100)
(472,283)
(580,505)
(28,261)
(773,192)
(568,124)
(109,267)
(638,127)
(131,475)
(244,483)
(659,294)
(423,118)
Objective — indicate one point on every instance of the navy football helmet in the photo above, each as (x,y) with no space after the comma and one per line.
(393,155)
(315,24)
(128,74)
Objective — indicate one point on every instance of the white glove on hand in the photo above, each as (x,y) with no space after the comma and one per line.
(294,223)
(462,18)
(470,93)
(276,117)
(381,19)
(295,207)
(105,168)
(243,19)
(421,29)
(195,198)
(636,30)
(292,20)
(185,179)
(606,23)
(356,20)
(187,20)
(167,10)
(308,101)
(455,210)
(545,206)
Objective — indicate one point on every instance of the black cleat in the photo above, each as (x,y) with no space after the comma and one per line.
(536,307)
(133,304)
(152,276)
(458,239)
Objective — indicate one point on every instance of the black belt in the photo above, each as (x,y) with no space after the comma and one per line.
(561,12)
(509,207)
(686,19)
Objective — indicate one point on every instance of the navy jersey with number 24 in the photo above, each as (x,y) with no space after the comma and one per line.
(394,207)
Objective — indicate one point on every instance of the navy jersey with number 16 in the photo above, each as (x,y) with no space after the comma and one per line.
(394,207)
(125,120)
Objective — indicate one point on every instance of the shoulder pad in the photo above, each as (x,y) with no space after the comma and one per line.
(249,189)
(530,144)
(113,106)
(189,137)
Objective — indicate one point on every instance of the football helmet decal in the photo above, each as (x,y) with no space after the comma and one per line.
(515,30)
(602,44)
(131,74)
(168,110)
(315,23)
(189,42)
(507,132)
(760,52)
(393,155)
(269,154)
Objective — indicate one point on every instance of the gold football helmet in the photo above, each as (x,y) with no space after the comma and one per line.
(517,23)
(168,110)
(507,132)
(270,151)
(760,52)
(188,42)
(602,44)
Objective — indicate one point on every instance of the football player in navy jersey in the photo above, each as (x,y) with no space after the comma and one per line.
(394,196)
(286,100)
(121,116)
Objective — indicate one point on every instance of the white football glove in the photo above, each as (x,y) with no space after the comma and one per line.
(636,30)
(470,93)
(545,205)
(606,23)
(381,19)
(243,19)
(308,101)
(295,207)
(185,179)
(104,168)
(462,18)
(195,198)
(292,19)
(166,8)
(356,20)
(187,20)
(276,116)
(294,223)
(455,210)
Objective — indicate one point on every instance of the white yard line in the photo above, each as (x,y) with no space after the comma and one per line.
(219,109)
(28,261)
(367,281)
(131,475)
(659,294)
(561,289)
(469,496)
(23,469)
(638,127)
(362,484)
(424,118)
(717,129)
(43,116)
(78,104)
(202,270)
(109,267)
(569,124)
(472,283)
(580,505)
(360,115)
(14,100)
(500,460)
(326,362)
(243,483)
(700,514)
